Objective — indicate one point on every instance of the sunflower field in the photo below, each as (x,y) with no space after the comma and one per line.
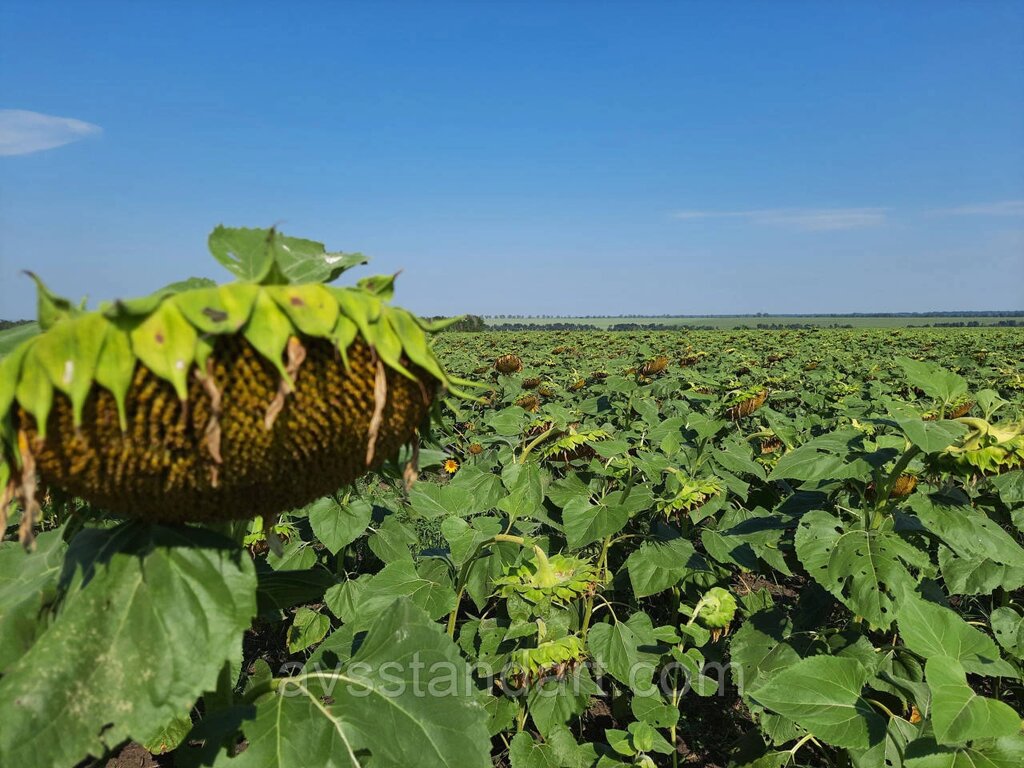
(279,523)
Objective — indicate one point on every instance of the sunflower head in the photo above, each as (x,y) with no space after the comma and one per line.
(685,493)
(558,579)
(550,659)
(530,403)
(717,608)
(451,466)
(745,401)
(507,364)
(986,449)
(653,367)
(205,402)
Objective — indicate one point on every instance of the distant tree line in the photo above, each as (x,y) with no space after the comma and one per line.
(5,324)
(465,323)
(976,324)
(563,326)
(542,327)
(961,313)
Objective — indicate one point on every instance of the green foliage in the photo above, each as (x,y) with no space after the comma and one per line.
(619,577)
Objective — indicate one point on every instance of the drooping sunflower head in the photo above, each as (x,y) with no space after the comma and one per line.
(904,485)
(549,659)
(985,449)
(203,402)
(558,579)
(529,403)
(957,409)
(507,364)
(744,402)
(717,608)
(684,493)
(653,367)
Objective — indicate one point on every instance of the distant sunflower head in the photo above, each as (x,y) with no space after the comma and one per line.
(507,364)
(451,466)
(530,403)
(653,367)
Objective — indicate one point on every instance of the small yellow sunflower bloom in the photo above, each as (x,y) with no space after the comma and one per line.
(451,466)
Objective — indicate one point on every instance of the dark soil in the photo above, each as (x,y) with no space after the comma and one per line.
(134,755)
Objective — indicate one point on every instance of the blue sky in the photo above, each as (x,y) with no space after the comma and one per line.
(536,158)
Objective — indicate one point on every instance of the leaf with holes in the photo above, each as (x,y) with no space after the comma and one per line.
(867,570)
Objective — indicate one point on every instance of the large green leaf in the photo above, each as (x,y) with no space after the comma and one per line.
(958,713)
(966,530)
(976,575)
(28,586)
(932,630)
(823,694)
(586,523)
(555,702)
(308,628)
(525,491)
(1010,486)
(616,648)
(935,380)
(405,698)
(430,500)
(865,569)
(930,436)
(246,253)
(657,565)
(464,539)
(1008,627)
(360,602)
(393,540)
(558,750)
(120,660)
(1001,753)
(338,525)
(821,458)
(762,647)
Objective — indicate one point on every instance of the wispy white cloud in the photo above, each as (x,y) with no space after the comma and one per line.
(23,132)
(998,208)
(802,219)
